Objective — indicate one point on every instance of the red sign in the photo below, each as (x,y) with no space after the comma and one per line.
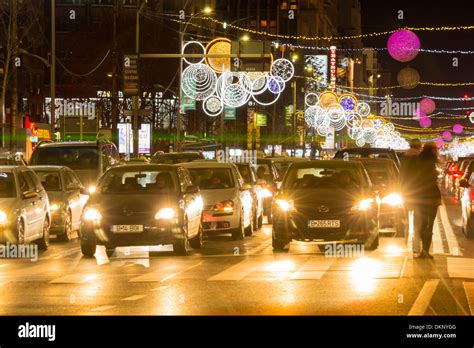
(332,67)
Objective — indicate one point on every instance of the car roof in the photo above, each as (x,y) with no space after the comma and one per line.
(374,160)
(69,143)
(178,154)
(289,159)
(367,150)
(207,164)
(145,166)
(335,163)
(48,168)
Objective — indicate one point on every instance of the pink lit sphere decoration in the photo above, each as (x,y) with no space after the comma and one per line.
(457,128)
(427,105)
(403,45)
(439,142)
(446,135)
(419,114)
(425,122)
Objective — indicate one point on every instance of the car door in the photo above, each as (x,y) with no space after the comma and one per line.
(73,196)
(191,200)
(29,209)
(245,197)
(42,201)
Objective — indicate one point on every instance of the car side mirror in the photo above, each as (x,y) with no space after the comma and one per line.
(29,195)
(246,187)
(464,183)
(192,189)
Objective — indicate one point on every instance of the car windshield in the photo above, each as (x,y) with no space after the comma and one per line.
(138,182)
(7,185)
(381,174)
(74,157)
(324,177)
(264,172)
(50,180)
(212,178)
(244,171)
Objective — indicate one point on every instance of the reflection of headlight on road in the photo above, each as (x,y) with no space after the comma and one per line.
(266,193)
(3,217)
(91,214)
(285,205)
(165,214)
(393,199)
(364,272)
(54,206)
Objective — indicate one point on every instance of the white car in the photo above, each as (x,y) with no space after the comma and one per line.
(24,207)
(227,199)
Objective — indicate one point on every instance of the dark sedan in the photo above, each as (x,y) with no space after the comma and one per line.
(327,202)
(143,204)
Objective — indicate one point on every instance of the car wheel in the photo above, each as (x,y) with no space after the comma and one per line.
(20,232)
(88,246)
(260,221)
(66,236)
(109,251)
(181,246)
(239,233)
(196,242)
(43,242)
(249,229)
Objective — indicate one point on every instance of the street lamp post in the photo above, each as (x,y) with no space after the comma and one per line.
(182,32)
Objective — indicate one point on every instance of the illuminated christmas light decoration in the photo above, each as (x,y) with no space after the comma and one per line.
(219,45)
(197,43)
(446,135)
(328,99)
(471,117)
(311,99)
(199,81)
(275,84)
(458,128)
(282,68)
(363,109)
(425,122)
(348,103)
(212,106)
(403,45)
(408,78)
(427,105)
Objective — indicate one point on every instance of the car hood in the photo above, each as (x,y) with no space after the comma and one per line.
(136,203)
(212,197)
(329,197)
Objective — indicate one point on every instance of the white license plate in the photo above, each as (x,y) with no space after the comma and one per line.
(127,228)
(324,223)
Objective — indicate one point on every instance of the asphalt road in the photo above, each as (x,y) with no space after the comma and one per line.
(227,277)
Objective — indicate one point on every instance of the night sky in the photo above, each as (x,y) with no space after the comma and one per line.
(382,15)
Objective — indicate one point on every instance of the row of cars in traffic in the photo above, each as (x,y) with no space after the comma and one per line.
(458,180)
(180,197)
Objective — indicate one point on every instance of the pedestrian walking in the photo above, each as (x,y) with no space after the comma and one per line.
(408,184)
(428,196)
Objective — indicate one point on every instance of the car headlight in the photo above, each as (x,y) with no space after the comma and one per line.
(54,206)
(3,217)
(91,214)
(224,206)
(285,205)
(266,193)
(393,199)
(364,204)
(91,189)
(165,214)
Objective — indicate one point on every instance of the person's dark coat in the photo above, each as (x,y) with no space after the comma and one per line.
(408,179)
(426,191)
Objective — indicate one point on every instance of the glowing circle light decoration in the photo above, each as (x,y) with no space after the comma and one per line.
(212,106)
(199,81)
(348,103)
(471,117)
(283,68)
(363,109)
(311,99)
(439,142)
(427,105)
(403,45)
(193,43)
(408,78)
(219,46)
(458,128)
(328,99)
(275,84)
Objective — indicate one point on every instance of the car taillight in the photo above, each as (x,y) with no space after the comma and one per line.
(471,195)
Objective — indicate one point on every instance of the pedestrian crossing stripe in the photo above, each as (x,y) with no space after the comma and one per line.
(469,289)
(423,300)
